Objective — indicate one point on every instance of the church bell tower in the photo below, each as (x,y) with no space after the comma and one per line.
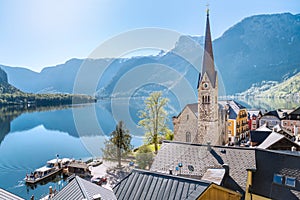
(208,94)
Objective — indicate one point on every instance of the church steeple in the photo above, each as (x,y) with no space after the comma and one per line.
(208,66)
(208,109)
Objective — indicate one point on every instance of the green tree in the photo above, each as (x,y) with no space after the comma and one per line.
(118,145)
(144,157)
(154,118)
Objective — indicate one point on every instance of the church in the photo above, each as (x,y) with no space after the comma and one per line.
(205,121)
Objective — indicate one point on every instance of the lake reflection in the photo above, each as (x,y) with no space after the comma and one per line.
(28,140)
(269,103)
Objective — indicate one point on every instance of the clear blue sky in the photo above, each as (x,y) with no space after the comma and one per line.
(40,33)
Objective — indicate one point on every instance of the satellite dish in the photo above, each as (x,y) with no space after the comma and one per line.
(191,168)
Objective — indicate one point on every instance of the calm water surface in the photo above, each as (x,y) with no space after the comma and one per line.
(29,140)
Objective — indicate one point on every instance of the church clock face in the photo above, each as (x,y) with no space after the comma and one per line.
(205,85)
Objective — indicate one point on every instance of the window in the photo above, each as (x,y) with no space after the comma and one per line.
(205,99)
(289,181)
(277,179)
(187,117)
(188,137)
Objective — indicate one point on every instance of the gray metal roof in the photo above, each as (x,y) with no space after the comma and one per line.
(172,153)
(79,189)
(5,195)
(140,184)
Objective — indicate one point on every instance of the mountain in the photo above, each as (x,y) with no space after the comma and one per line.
(5,87)
(289,88)
(259,48)
(3,76)
(262,47)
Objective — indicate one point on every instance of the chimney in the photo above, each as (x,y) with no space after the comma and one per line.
(97,197)
(226,167)
(50,190)
(208,146)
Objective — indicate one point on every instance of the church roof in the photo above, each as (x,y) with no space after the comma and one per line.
(208,66)
(194,108)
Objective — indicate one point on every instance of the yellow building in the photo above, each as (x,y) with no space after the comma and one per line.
(218,192)
(237,120)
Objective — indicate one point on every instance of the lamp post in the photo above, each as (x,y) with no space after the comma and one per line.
(180,166)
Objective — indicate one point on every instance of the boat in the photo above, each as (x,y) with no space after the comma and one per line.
(52,168)
(41,174)
(95,162)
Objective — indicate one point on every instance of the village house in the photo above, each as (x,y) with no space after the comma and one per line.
(237,118)
(292,123)
(253,119)
(259,135)
(277,141)
(273,118)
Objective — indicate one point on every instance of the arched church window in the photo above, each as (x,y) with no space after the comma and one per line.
(188,137)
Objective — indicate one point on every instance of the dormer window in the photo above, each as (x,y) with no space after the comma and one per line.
(278,179)
(290,181)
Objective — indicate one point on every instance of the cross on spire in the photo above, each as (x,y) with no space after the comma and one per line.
(207,8)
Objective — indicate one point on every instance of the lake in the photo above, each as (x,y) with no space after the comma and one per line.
(29,140)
